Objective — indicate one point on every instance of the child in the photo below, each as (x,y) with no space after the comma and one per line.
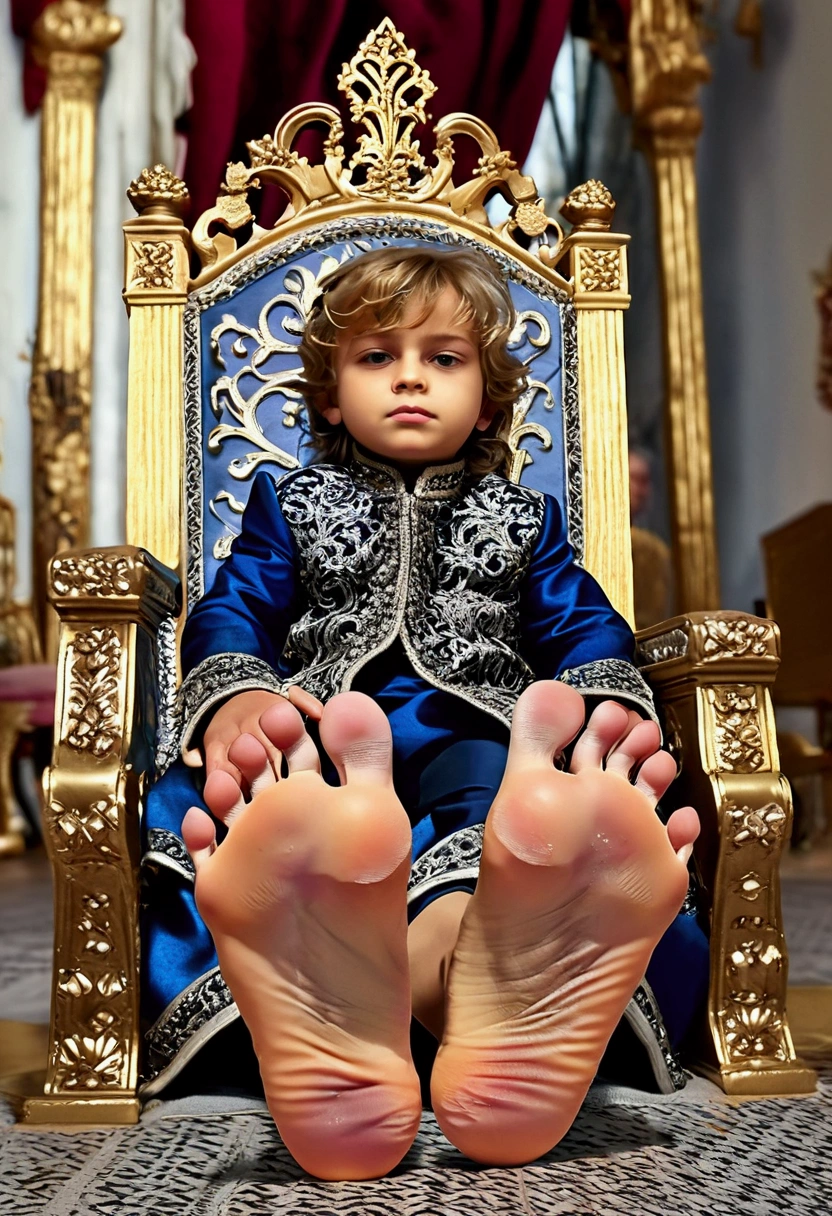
(404,567)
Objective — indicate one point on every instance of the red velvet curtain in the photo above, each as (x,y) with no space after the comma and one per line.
(24,15)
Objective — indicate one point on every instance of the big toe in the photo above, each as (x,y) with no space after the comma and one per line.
(547,717)
(356,734)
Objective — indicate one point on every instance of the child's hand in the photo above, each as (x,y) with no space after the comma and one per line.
(245,742)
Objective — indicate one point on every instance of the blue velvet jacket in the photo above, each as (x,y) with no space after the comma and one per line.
(473,574)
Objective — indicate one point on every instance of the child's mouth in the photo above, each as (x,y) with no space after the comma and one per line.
(412,413)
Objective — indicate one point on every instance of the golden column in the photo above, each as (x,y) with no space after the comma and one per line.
(70,39)
(666,68)
(598,266)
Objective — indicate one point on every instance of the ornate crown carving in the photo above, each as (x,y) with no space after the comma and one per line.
(387,93)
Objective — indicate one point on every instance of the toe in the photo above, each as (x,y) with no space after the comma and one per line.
(199,835)
(356,735)
(642,742)
(682,830)
(283,726)
(223,796)
(606,726)
(547,717)
(250,756)
(655,775)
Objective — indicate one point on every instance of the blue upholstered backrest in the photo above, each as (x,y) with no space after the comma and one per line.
(242,333)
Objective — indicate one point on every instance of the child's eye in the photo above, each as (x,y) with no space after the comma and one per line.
(375,357)
(447,360)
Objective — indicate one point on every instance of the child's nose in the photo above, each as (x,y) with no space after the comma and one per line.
(409,374)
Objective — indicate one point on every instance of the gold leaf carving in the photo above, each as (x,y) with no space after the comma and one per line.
(74,982)
(94,574)
(93,702)
(155,264)
(738,737)
(89,831)
(753,1028)
(589,206)
(94,925)
(77,26)
(749,886)
(764,825)
(266,152)
(531,218)
(158,187)
(111,983)
(752,1019)
(88,1062)
(737,637)
(600,270)
(387,93)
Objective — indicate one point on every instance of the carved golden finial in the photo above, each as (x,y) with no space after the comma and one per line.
(387,92)
(82,26)
(160,189)
(590,206)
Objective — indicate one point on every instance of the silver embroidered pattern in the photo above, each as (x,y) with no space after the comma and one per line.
(168,850)
(611,678)
(201,1001)
(167,733)
(646,1004)
(572,444)
(262,263)
(670,645)
(454,859)
(217,678)
(194,453)
(441,568)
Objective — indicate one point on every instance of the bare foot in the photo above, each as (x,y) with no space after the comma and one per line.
(306,902)
(578,881)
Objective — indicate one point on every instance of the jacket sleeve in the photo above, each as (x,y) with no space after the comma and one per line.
(570,630)
(234,635)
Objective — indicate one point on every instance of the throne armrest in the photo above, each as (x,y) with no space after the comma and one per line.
(117,608)
(711,673)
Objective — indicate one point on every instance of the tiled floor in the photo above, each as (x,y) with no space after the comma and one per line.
(691,1154)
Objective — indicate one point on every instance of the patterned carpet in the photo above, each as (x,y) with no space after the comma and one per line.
(690,1154)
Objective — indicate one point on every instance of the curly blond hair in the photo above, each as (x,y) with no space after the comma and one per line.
(372,292)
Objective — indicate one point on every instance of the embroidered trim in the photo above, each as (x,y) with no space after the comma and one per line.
(643,1007)
(451,860)
(201,1002)
(166,849)
(572,442)
(611,678)
(167,736)
(215,679)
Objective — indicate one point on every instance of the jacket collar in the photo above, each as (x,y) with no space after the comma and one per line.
(435,481)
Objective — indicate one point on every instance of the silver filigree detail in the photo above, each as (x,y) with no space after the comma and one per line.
(670,645)
(612,678)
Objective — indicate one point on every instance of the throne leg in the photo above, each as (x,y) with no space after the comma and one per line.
(712,673)
(110,604)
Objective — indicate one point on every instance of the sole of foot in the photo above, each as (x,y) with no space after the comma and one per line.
(306,901)
(578,881)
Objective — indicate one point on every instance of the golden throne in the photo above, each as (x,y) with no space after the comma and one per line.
(119,608)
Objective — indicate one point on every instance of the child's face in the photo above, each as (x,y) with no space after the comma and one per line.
(412,395)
